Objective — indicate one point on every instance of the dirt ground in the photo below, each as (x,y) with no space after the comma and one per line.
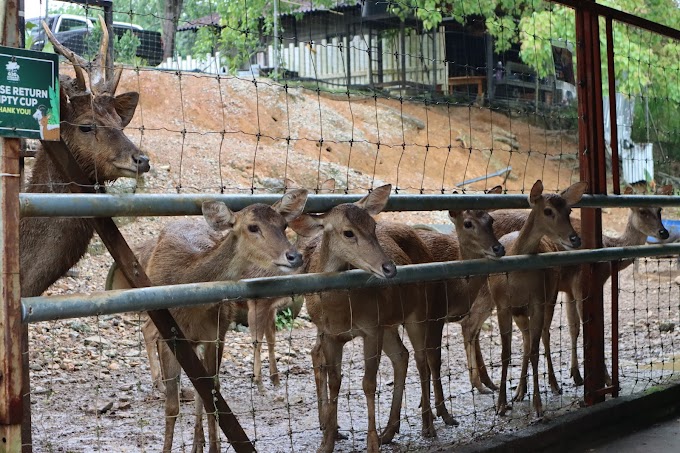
(91,389)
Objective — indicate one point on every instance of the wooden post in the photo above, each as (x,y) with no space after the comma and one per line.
(12,331)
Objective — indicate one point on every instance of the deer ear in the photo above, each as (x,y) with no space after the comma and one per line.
(628,190)
(125,105)
(307,225)
(536,192)
(218,215)
(376,201)
(291,204)
(573,193)
(665,190)
(454,214)
(497,190)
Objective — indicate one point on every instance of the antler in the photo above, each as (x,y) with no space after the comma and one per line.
(96,69)
(78,62)
(98,82)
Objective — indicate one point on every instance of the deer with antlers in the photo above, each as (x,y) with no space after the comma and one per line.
(92,122)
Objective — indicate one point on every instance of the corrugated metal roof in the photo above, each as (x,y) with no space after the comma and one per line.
(213,20)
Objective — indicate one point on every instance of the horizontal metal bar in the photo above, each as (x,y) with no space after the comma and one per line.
(93,205)
(623,17)
(45,308)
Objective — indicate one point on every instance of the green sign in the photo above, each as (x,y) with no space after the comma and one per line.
(29,94)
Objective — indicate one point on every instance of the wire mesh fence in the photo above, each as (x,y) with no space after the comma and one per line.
(350,92)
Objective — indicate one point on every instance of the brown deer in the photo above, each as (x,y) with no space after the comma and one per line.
(342,238)
(255,245)
(474,238)
(340,241)
(526,295)
(92,122)
(642,222)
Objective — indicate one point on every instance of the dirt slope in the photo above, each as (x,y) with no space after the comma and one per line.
(241,134)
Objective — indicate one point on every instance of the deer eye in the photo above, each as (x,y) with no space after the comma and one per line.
(253,228)
(348,233)
(467,224)
(86,128)
(547,211)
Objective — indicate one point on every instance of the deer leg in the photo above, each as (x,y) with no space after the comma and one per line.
(256,334)
(199,435)
(433,350)
(332,357)
(151,343)
(398,355)
(171,370)
(522,322)
(505,328)
(574,322)
(420,356)
(471,344)
(481,366)
(212,359)
(548,317)
(372,351)
(270,334)
(536,329)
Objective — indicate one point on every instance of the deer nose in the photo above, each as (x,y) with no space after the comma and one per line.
(575,240)
(294,258)
(499,250)
(663,233)
(142,162)
(389,269)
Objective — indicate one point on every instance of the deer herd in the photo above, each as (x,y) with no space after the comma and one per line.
(253,243)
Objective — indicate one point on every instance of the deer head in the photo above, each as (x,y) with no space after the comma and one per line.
(260,231)
(551,213)
(474,228)
(92,119)
(349,233)
(647,219)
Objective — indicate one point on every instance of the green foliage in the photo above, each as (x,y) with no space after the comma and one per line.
(284,319)
(124,47)
(642,60)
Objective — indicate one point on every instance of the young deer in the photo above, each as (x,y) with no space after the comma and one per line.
(342,238)
(92,122)
(473,239)
(188,252)
(526,295)
(642,222)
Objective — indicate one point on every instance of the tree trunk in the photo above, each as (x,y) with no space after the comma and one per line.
(171,9)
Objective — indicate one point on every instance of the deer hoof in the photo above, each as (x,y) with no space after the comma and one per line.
(388,434)
(449,420)
(483,390)
(519,396)
(502,408)
(576,375)
(276,381)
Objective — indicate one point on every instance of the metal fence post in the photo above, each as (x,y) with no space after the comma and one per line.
(12,332)
(592,170)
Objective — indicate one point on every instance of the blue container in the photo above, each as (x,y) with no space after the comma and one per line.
(673,227)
